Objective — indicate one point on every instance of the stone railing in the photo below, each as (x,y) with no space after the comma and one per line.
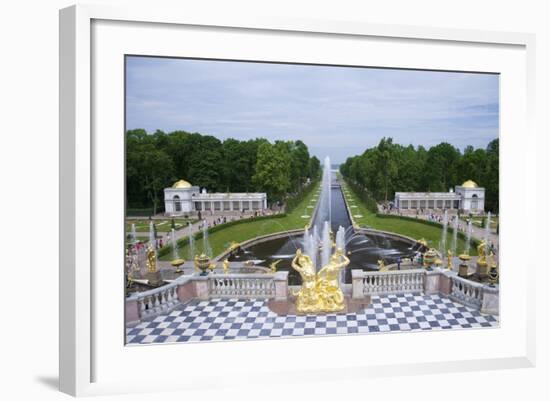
(237,285)
(153,302)
(385,283)
(150,303)
(482,297)
(466,292)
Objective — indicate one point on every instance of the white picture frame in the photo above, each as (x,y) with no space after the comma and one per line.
(87,364)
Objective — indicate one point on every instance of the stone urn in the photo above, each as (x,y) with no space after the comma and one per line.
(493,274)
(202,263)
(177,264)
(430,257)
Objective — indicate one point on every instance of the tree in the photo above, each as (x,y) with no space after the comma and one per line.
(272,172)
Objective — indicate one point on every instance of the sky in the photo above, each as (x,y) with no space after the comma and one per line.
(336,111)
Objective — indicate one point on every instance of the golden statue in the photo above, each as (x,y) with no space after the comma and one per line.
(382,266)
(481,252)
(449,259)
(320,292)
(328,284)
(226,266)
(273,266)
(151,260)
(307,298)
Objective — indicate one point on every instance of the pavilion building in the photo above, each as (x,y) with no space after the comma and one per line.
(466,198)
(183,198)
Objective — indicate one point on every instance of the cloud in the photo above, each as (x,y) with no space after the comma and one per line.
(336,111)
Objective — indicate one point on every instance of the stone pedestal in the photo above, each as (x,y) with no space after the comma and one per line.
(445,283)
(357,284)
(132,312)
(490,302)
(482,269)
(431,284)
(463,270)
(154,278)
(281,285)
(201,287)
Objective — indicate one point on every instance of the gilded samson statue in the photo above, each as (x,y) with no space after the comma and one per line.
(321,290)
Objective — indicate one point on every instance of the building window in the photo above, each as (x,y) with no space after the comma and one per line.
(236,205)
(198,206)
(430,204)
(177,203)
(474,202)
(439,204)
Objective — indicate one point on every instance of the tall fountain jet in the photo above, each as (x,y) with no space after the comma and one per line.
(152,239)
(206,249)
(191,242)
(443,242)
(317,242)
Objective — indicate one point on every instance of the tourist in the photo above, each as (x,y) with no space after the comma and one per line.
(399,263)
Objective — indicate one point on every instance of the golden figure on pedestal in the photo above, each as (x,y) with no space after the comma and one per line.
(481,252)
(321,290)
(151,260)
(449,259)
(273,266)
(226,266)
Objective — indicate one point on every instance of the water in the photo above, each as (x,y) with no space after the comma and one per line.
(487,234)
(326,244)
(468,237)
(133,234)
(443,242)
(206,248)
(175,254)
(191,242)
(152,239)
(363,250)
(455,235)
(323,210)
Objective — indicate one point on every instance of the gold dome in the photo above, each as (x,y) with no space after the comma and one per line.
(181,184)
(469,184)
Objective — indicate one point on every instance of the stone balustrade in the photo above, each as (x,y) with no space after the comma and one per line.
(241,286)
(466,292)
(482,297)
(385,283)
(159,300)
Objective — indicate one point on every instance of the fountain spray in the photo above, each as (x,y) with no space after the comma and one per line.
(191,242)
(174,245)
(133,233)
(207,250)
(468,237)
(443,242)
(455,234)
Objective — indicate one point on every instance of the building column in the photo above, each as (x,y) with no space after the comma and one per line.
(202,207)
(240,205)
(230,204)
(265,203)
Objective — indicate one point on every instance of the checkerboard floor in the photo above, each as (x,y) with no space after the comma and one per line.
(237,319)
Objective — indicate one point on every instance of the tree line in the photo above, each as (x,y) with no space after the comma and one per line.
(389,167)
(155,161)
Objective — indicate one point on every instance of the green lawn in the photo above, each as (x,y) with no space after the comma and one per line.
(409,228)
(220,240)
(162,225)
